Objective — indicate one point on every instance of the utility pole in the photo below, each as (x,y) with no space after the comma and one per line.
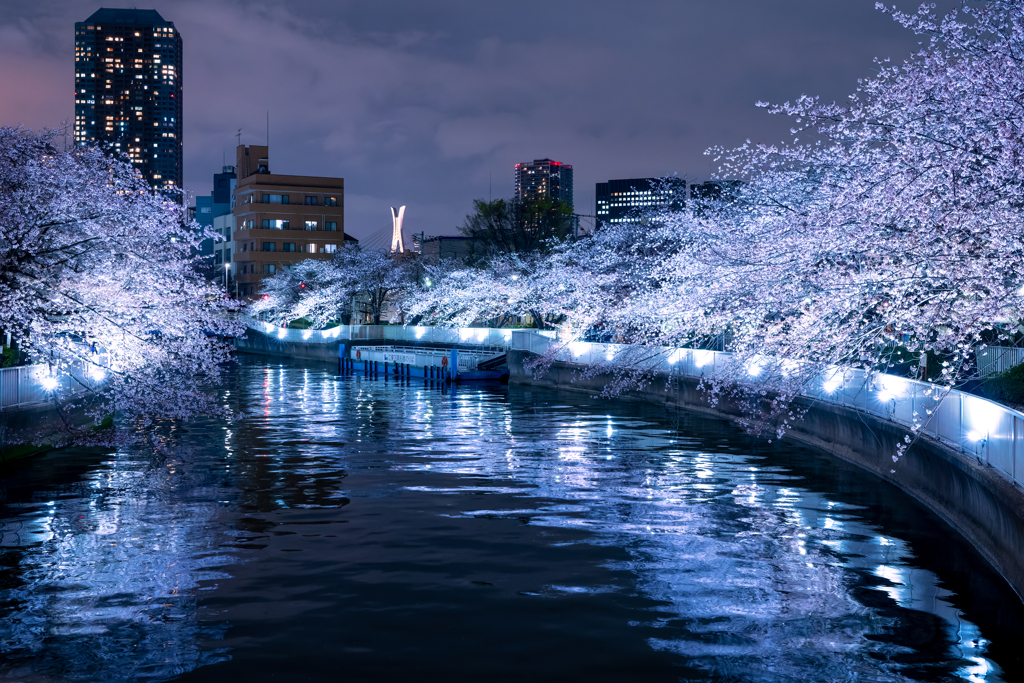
(577,217)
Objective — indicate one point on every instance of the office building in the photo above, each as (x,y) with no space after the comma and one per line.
(128,90)
(544,179)
(212,206)
(619,201)
(279,220)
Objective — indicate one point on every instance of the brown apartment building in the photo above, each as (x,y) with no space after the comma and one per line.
(281,219)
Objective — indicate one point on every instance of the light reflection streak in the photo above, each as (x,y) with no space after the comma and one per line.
(670,515)
(721,542)
(125,561)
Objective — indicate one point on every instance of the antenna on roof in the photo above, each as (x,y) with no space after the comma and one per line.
(239,135)
(268,128)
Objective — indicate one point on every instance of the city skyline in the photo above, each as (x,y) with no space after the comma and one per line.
(432,108)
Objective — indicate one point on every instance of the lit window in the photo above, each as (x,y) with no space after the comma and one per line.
(330,248)
(311,225)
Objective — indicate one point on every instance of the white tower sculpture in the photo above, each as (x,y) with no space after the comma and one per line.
(396,237)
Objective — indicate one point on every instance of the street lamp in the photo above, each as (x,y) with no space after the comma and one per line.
(227,267)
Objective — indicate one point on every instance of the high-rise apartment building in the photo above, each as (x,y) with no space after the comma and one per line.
(622,200)
(128,90)
(280,220)
(544,179)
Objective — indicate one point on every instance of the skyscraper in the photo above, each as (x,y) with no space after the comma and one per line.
(544,179)
(618,201)
(128,90)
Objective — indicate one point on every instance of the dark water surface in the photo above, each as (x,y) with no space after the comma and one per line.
(359,530)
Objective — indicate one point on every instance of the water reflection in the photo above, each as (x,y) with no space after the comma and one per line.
(349,496)
(101,577)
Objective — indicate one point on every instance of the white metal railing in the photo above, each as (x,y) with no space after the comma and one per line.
(418,356)
(993,360)
(472,336)
(976,426)
(31,384)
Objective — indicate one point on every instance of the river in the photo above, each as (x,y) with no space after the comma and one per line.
(358,529)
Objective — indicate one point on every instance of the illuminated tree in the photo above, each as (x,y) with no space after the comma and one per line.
(893,220)
(365,280)
(98,279)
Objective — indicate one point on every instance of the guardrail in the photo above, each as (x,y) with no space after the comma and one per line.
(28,384)
(419,356)
(993,360)
(986,430)
(473,336)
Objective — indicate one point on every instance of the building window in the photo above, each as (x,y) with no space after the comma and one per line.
(275,199)
(268,246)
(250,223)
(270,269)
(275,224)
(310,201)
(309,248)
(311,225)
(330,225)
(288,246)
(330,201)
(330,248)
(244,246)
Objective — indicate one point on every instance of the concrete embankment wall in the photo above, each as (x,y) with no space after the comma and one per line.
(264,345)
(975,499)
(32,428)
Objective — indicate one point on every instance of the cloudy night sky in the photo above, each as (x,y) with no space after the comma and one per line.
(430,104)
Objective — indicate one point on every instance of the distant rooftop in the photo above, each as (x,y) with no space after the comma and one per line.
(142,17)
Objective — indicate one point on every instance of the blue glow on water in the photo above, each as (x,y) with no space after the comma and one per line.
(481,534)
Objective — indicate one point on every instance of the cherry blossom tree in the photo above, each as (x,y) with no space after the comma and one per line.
(894,219)
(98,280)
(325,292)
